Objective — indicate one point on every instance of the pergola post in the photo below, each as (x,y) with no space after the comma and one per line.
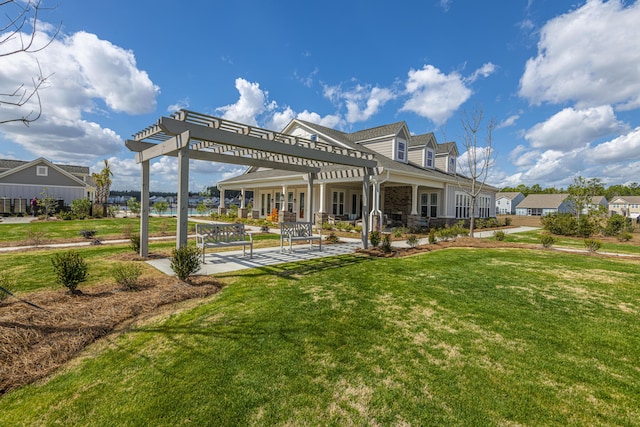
(144,210)
(183,197)
(309,202)
(365,207)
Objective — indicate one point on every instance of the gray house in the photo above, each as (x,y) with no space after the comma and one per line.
(20,181)
(543,204)
(507,201)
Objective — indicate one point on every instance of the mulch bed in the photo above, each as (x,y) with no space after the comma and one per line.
(33,343)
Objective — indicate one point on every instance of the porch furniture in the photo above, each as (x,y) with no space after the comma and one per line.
(298,231)
(273,216)
(220,235)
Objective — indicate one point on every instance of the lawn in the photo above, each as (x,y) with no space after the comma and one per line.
(609,244)
(451,337)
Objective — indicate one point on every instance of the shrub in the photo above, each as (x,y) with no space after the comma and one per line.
(374,238)
(432,236)
(185,261)
(65,216)
(126,275)
(135,242)
(87,234)
(492,223)
(80,208)
(127,229)
(264,228)
(398,232)
(70,269)
(412,240)
(7,281)
(499,235)
(332,238)
(507,221)
(586,227)
(616,224)
(563,224)
(547,240)
(480,223)
(386,243)
(624,236)
(592,245)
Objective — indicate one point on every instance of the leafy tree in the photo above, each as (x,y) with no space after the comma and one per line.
(47,203)
(160,207)
(19,31)
(134,206)
(80,208)
(479,158)
(582,192)
(103,183)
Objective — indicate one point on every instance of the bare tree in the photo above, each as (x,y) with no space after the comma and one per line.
(479,158)
(18,34)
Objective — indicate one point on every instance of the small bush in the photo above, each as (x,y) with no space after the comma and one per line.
(398,232)
(374,238)
(432,236)
(80,208)
(264,228)
(332,238)
(563,224)
(126,275)
(34,237)
(7,281)
(185,261)
(492,223)
(616,224)
(499,235)
(547,240)
(412,240)
(127,229)
(507,221)
(386,243)
(592,245)
(87,234)
(65,216)
(70,269)
(624,236)
(135,243)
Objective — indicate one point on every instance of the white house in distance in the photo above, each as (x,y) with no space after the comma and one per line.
(626,206)
(415,182)
(506,202)
(22,180)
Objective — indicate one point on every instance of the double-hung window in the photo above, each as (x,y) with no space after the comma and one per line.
(401,150)
(428,158)
(338,203)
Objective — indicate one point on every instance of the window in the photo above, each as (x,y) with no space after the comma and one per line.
(428,158)
(262,204)
(483,206)
(452,164)
(268,203)
(463,205)
(429,205)
(42,170)
(301,210)
(277,206)
(401,150)
(354,204)
(338,203)
(290,202)
(314,137)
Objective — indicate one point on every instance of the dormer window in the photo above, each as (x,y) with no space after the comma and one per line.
(429,158)
(452,164)
(401,150)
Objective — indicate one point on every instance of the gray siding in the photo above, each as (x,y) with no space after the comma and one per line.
(28,176)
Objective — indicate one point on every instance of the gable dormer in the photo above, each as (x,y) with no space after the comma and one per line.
(401,146)
(447,157)
(423,149)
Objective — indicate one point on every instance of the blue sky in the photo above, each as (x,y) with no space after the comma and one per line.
(560,78)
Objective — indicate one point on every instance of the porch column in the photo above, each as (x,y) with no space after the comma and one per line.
(222,209)
(242,212)
(322,190)
(309,202)
(365,207)
(183,197)
(144,211)
(283,201)
(414,199)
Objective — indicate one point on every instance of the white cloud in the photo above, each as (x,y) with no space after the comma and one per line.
(250,105)
(589,55)
(180,105)
(571,128)
(623,148)
(330,121)
(509,121)
(446,5)
(435,95)
(83,72)
(362,102)
(485,71)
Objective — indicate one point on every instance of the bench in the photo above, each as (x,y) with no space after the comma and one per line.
(296,231)
(219,235)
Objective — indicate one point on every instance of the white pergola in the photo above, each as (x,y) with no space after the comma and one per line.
(190,135)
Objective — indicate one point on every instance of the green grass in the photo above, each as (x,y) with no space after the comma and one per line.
(105,228)
(533,237)
(453,337)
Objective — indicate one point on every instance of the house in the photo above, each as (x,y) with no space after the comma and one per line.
(414,184)
(506,202)
(543,204)
(626,206)
(20,181)
(597,203)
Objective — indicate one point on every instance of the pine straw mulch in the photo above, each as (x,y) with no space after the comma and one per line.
(33,343)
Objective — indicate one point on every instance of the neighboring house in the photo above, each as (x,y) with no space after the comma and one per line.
(626,206)
(415,181)
(506,202)
(543,204)
(596,201)
(20,181)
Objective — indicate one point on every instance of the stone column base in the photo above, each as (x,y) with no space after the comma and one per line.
(255,214)
(321,218)
(222,211)
(375,222)
(413,221)
(242,212)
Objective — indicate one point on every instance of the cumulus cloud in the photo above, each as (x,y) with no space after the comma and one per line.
(436,95)
(330,120)
(571,128)
(361,101)
(85,75)
(509,121)
(623,148)
(252,102)
(589,56)
(180,105)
